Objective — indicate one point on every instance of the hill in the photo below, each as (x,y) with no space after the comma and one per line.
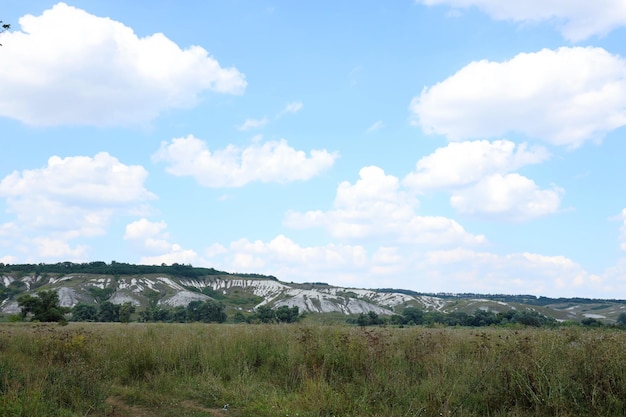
(178,285)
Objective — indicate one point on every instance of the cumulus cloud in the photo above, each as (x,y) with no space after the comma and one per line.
(58,249)
(516,273)
(75,196)
(456,269)
(67,66)
(288,260)
(565,97)
(511,196)
(462,163)
(151,239)
(273,161)
(576,20)
(375,207)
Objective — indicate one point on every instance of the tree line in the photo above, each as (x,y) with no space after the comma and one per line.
(411,316)
(45,307)
(118,269)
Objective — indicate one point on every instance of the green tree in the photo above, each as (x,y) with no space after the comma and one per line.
(208,311)
(413,315)
(239,317)
(621,319)
(125,312)
(108,312)
(265,314)
(44,307)
(286,314)
(84,312)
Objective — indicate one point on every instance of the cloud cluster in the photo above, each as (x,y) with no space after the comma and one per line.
(511,196)
(75,196)
(479,176)
(576,20)
(446,269)
(70,67)
(565,97)
(515,273)
(151,238)
(376,208)
(70,198)
(273,161)
(462,163)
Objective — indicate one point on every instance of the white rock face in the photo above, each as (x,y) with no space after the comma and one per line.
(68,297)
(313,298)
(122,297)
(183,298)
(10,307)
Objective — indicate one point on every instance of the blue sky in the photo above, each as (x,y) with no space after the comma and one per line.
(432,145)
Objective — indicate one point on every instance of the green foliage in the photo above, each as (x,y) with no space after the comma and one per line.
(286,314)
(621,319)
(84,312)
(44,307)
(109,312)
(206,311)
(239,317)
(119,269)
(197,311)
(414,316)
(125,312)
(101,294)
(13,289)
(265,314)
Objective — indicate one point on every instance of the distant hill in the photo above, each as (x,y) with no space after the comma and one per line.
(176,285)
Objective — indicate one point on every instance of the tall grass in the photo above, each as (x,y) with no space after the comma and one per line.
(278,370)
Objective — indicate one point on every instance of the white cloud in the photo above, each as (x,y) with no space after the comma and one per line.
(510,196)
(8,259)
(565,97)
(449,270)
(70,67)
(75,196)
(376,208)
(151,239)
(463,163)
(516,273)
(284,258)
(293,107)
(253,124)
(58,249)
(376,126)
(273,161)
(176,255)
(143,229)
(576,20)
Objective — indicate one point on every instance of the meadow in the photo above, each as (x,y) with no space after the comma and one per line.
(194,370)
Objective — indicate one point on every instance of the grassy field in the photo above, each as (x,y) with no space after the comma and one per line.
(193,370)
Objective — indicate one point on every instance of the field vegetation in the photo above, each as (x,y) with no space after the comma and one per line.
(195,369)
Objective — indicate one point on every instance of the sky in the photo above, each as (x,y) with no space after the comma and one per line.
(431,145)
